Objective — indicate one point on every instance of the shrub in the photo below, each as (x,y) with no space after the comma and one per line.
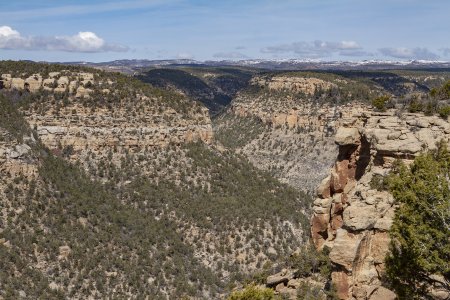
(444,112)
(415,106)
(380,102)
(253,292)
(310,261)
(442,92)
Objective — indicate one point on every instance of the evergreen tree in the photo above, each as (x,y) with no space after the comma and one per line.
(420,233)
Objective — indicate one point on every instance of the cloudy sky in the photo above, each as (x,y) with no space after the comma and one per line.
(102,30)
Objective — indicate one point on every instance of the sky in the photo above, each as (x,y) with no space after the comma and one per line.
(105,30)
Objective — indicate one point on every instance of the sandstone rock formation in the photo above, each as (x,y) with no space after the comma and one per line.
(81,128)
(350,215)
(294,84)
(55,82)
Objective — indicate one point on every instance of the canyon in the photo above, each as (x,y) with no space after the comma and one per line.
(228,193)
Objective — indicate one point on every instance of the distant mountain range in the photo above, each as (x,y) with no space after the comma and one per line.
(131,65)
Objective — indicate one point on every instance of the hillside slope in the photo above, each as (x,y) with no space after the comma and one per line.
(129,195)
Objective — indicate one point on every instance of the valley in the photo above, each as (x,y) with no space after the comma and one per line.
(189,182)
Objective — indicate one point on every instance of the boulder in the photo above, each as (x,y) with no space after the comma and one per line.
(319,227)
(64,252)
(360,216)
(53,74)
(17,83)
(345,248)
(347,136)
(19,151)
(283,277)
(13,154)
(382,293)
(33,83)
(48,84)
(323,190)
(342,284)
(23,149)
(439,289)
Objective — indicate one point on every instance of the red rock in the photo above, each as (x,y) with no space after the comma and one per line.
(340,280)
(319,227)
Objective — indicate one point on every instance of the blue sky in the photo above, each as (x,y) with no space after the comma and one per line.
(58,30)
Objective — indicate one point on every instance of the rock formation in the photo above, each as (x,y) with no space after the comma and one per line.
(294,83)
(81,128)
(351,216)
(55,82)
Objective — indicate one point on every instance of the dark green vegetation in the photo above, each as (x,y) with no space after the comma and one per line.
(132,231)
(420,233)
(380,102)
(437,101)
(253,292)
(124,90)
(117,239)
(234,132)
(309,261)
(214,87)
(343,90)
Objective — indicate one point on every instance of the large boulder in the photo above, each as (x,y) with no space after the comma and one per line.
(17,83)
(347,136)
(382,293)
(33,83)
(283,277)
(345,248)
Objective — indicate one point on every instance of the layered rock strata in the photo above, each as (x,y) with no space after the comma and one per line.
(58,82)
(350,215)
(131,125)
(77,127)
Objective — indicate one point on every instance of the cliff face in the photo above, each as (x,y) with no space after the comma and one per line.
(350,215)
(131,123)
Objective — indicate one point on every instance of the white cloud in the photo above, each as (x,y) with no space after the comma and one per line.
(81,42)
(7,32)
(408,53)
(314,49)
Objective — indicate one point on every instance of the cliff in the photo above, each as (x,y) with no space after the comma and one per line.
(351,216)
(69,115)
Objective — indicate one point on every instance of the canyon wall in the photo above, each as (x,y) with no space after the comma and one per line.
(351,216)
(126,122)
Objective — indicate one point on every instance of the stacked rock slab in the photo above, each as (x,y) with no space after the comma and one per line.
(350,216)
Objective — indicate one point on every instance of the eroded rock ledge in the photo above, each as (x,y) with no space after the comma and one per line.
(350,215)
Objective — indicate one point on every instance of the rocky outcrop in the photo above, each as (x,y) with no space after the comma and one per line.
(100,132)
(119,127)
(307,85)
(351,216)
(55,82)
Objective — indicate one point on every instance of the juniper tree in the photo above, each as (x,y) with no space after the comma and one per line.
(420,233)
